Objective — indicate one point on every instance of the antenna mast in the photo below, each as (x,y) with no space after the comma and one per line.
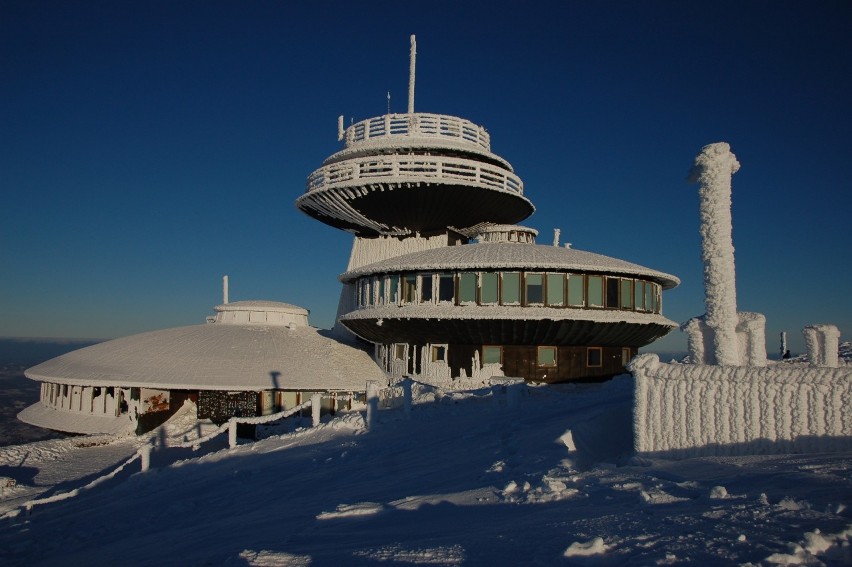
(411,65)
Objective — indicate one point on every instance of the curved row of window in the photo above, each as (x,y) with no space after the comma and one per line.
(534,289)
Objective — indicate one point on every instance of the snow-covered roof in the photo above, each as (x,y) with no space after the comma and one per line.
(510,255)
(217,357)
(41,416)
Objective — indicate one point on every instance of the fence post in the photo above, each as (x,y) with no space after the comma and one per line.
(145,456)
(372,402)
(406,397)
(316,405)
(232,433)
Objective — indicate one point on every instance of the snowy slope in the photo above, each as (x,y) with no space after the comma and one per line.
(462,482)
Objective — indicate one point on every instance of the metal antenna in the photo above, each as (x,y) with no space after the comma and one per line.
(412,63)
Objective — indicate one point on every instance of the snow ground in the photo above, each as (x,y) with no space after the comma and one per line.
(461,482)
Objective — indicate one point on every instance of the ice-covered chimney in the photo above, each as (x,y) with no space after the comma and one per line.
(713,169)
(224,290)
(556,233)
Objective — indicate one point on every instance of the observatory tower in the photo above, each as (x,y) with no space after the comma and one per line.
(417,190)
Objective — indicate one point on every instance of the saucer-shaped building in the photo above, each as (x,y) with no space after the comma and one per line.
(251,358)
(442,281)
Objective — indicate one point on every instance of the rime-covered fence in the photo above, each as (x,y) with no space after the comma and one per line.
(686,410)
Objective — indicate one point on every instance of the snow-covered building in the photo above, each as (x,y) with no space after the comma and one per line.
(440,282)
(251,358)
(444,287)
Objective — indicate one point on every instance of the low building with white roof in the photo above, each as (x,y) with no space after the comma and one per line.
(251,358)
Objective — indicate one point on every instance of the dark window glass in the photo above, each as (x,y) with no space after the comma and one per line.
(612,292)
(446,288)
(534,288)
(426,288)
(594,357)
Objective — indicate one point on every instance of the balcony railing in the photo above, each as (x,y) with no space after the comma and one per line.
(418,125)
(414,169)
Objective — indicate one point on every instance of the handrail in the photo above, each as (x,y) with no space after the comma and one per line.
(250,420)
(420,125)
(416,169)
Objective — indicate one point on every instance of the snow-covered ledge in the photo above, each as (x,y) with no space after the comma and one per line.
(687,410)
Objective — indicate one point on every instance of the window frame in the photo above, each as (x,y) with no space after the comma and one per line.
(589,351)
(482,362)
(538,361)
(435,349)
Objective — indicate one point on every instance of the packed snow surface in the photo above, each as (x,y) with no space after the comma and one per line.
(464,479)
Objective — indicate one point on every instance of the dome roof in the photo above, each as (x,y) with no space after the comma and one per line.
(217,357)
(510,255)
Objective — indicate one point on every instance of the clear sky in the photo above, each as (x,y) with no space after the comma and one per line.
(148,148)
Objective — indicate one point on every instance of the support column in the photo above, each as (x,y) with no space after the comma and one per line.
(713,169)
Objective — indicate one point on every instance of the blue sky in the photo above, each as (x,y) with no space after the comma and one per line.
(148,148)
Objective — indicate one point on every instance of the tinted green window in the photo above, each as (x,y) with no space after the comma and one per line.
(626,294)
(595,284)
(534,291)
(612,285)
(546,356)
(649,296)
(511,288)
(488,288)
(467,287)
(576,290)
(492,355)
(555,289)
(655,297)
(639,295)
(426,288)
(446,288)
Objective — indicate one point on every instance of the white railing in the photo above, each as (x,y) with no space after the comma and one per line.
(417,125)
(414,169)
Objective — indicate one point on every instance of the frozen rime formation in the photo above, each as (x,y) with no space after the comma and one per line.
(750,334)
(722,336)
(684,410)
(822,342)
(713,169)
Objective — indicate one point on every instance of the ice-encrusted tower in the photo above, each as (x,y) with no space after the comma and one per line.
(411,182)
(416,190)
